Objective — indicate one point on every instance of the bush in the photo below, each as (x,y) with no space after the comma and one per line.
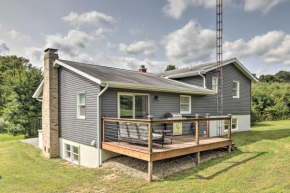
(270,101)
(3,125)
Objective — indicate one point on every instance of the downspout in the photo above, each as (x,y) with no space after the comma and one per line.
(203,79)
(99,121)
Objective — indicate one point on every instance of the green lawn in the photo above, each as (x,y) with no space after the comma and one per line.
(261,164)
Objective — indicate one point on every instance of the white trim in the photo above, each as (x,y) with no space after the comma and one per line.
(216,86)
(58,63)
(79,105)
(234,61)
(239,65)
(226,130)
(133,95)
(38,90)
(71,158)
(193,90)
(186,74)
(185,112)
(238,89)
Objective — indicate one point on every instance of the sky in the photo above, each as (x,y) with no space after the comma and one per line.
(130,33)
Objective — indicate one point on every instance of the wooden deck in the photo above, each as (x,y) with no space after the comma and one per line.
(181,145)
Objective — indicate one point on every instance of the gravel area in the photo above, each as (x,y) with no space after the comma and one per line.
(32,141)
(162,168)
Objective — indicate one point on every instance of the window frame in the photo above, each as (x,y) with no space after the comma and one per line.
(131,94)
(216,86)
(238,89)
(185,112)
(80,105)
(71,152)
(226,128)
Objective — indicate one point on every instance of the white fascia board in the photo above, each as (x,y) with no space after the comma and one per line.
(239,66)
(58,63)
(160,89)
(186,74)
(38,90)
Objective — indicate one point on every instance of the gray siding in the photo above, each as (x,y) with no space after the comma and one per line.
(71,128)
(194,80)
(235,106)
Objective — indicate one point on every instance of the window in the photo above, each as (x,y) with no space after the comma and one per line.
(214,84)
(133,105)
(236,89)
(72,153)
(234,124)
(185,104)
(81,103)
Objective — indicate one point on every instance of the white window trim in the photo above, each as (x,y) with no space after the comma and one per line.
(185,112)
(238,93)
(226,130)
(70,159)
(132,94)
(78,105)
(216,90)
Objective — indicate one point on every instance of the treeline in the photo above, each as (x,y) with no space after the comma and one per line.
(281,77)
(19,112)
(270,101)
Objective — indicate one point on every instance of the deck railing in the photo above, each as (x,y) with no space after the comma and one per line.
(108,128)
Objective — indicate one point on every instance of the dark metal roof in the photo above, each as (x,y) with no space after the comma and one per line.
(198,67)
(110,74)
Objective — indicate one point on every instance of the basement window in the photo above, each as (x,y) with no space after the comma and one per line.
(72,153)
(81,106)
(185,104)
(236,89)
(234,124)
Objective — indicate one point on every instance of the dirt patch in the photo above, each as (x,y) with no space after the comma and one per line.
(162,168)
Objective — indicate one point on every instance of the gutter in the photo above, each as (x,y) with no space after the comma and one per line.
(204,86)
(98,122)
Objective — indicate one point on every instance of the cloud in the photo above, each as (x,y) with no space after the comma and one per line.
(134,63)
(72,43)
(257,46)
(35,55)
(17,35)
(190,43)
(142,47)
(4,49)
(272,47)
(92,18)
(176,8)
(136,30)
(262,5)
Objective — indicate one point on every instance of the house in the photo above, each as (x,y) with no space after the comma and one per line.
(75,96)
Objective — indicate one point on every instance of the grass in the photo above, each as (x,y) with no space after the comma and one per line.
(261,164)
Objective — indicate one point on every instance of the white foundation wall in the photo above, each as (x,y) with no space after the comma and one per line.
(40,139)
(88,155)
(244,124)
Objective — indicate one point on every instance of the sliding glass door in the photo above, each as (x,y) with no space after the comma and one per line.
(133,106)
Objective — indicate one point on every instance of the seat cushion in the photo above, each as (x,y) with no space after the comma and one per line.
(123,130)
(157,136)
(133,134)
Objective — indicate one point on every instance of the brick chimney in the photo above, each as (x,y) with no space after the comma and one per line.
(142,68)
(50,129)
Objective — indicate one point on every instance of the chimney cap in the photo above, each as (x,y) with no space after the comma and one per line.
(142,66)
(51,50)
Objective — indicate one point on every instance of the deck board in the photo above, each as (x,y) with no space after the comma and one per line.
(181,145)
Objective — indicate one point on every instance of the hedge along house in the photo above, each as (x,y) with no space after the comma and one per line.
(75,96)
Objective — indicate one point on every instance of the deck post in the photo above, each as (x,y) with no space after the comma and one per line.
(230,127)
(150,170)
(104,135)
(197,131)
(150,117)
(198,158)
(229,131)
(207,124)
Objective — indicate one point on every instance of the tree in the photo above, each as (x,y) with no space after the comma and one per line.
(19,79)
(281,76)
(170,67)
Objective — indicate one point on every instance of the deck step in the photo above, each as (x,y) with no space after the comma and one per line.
(234,147)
